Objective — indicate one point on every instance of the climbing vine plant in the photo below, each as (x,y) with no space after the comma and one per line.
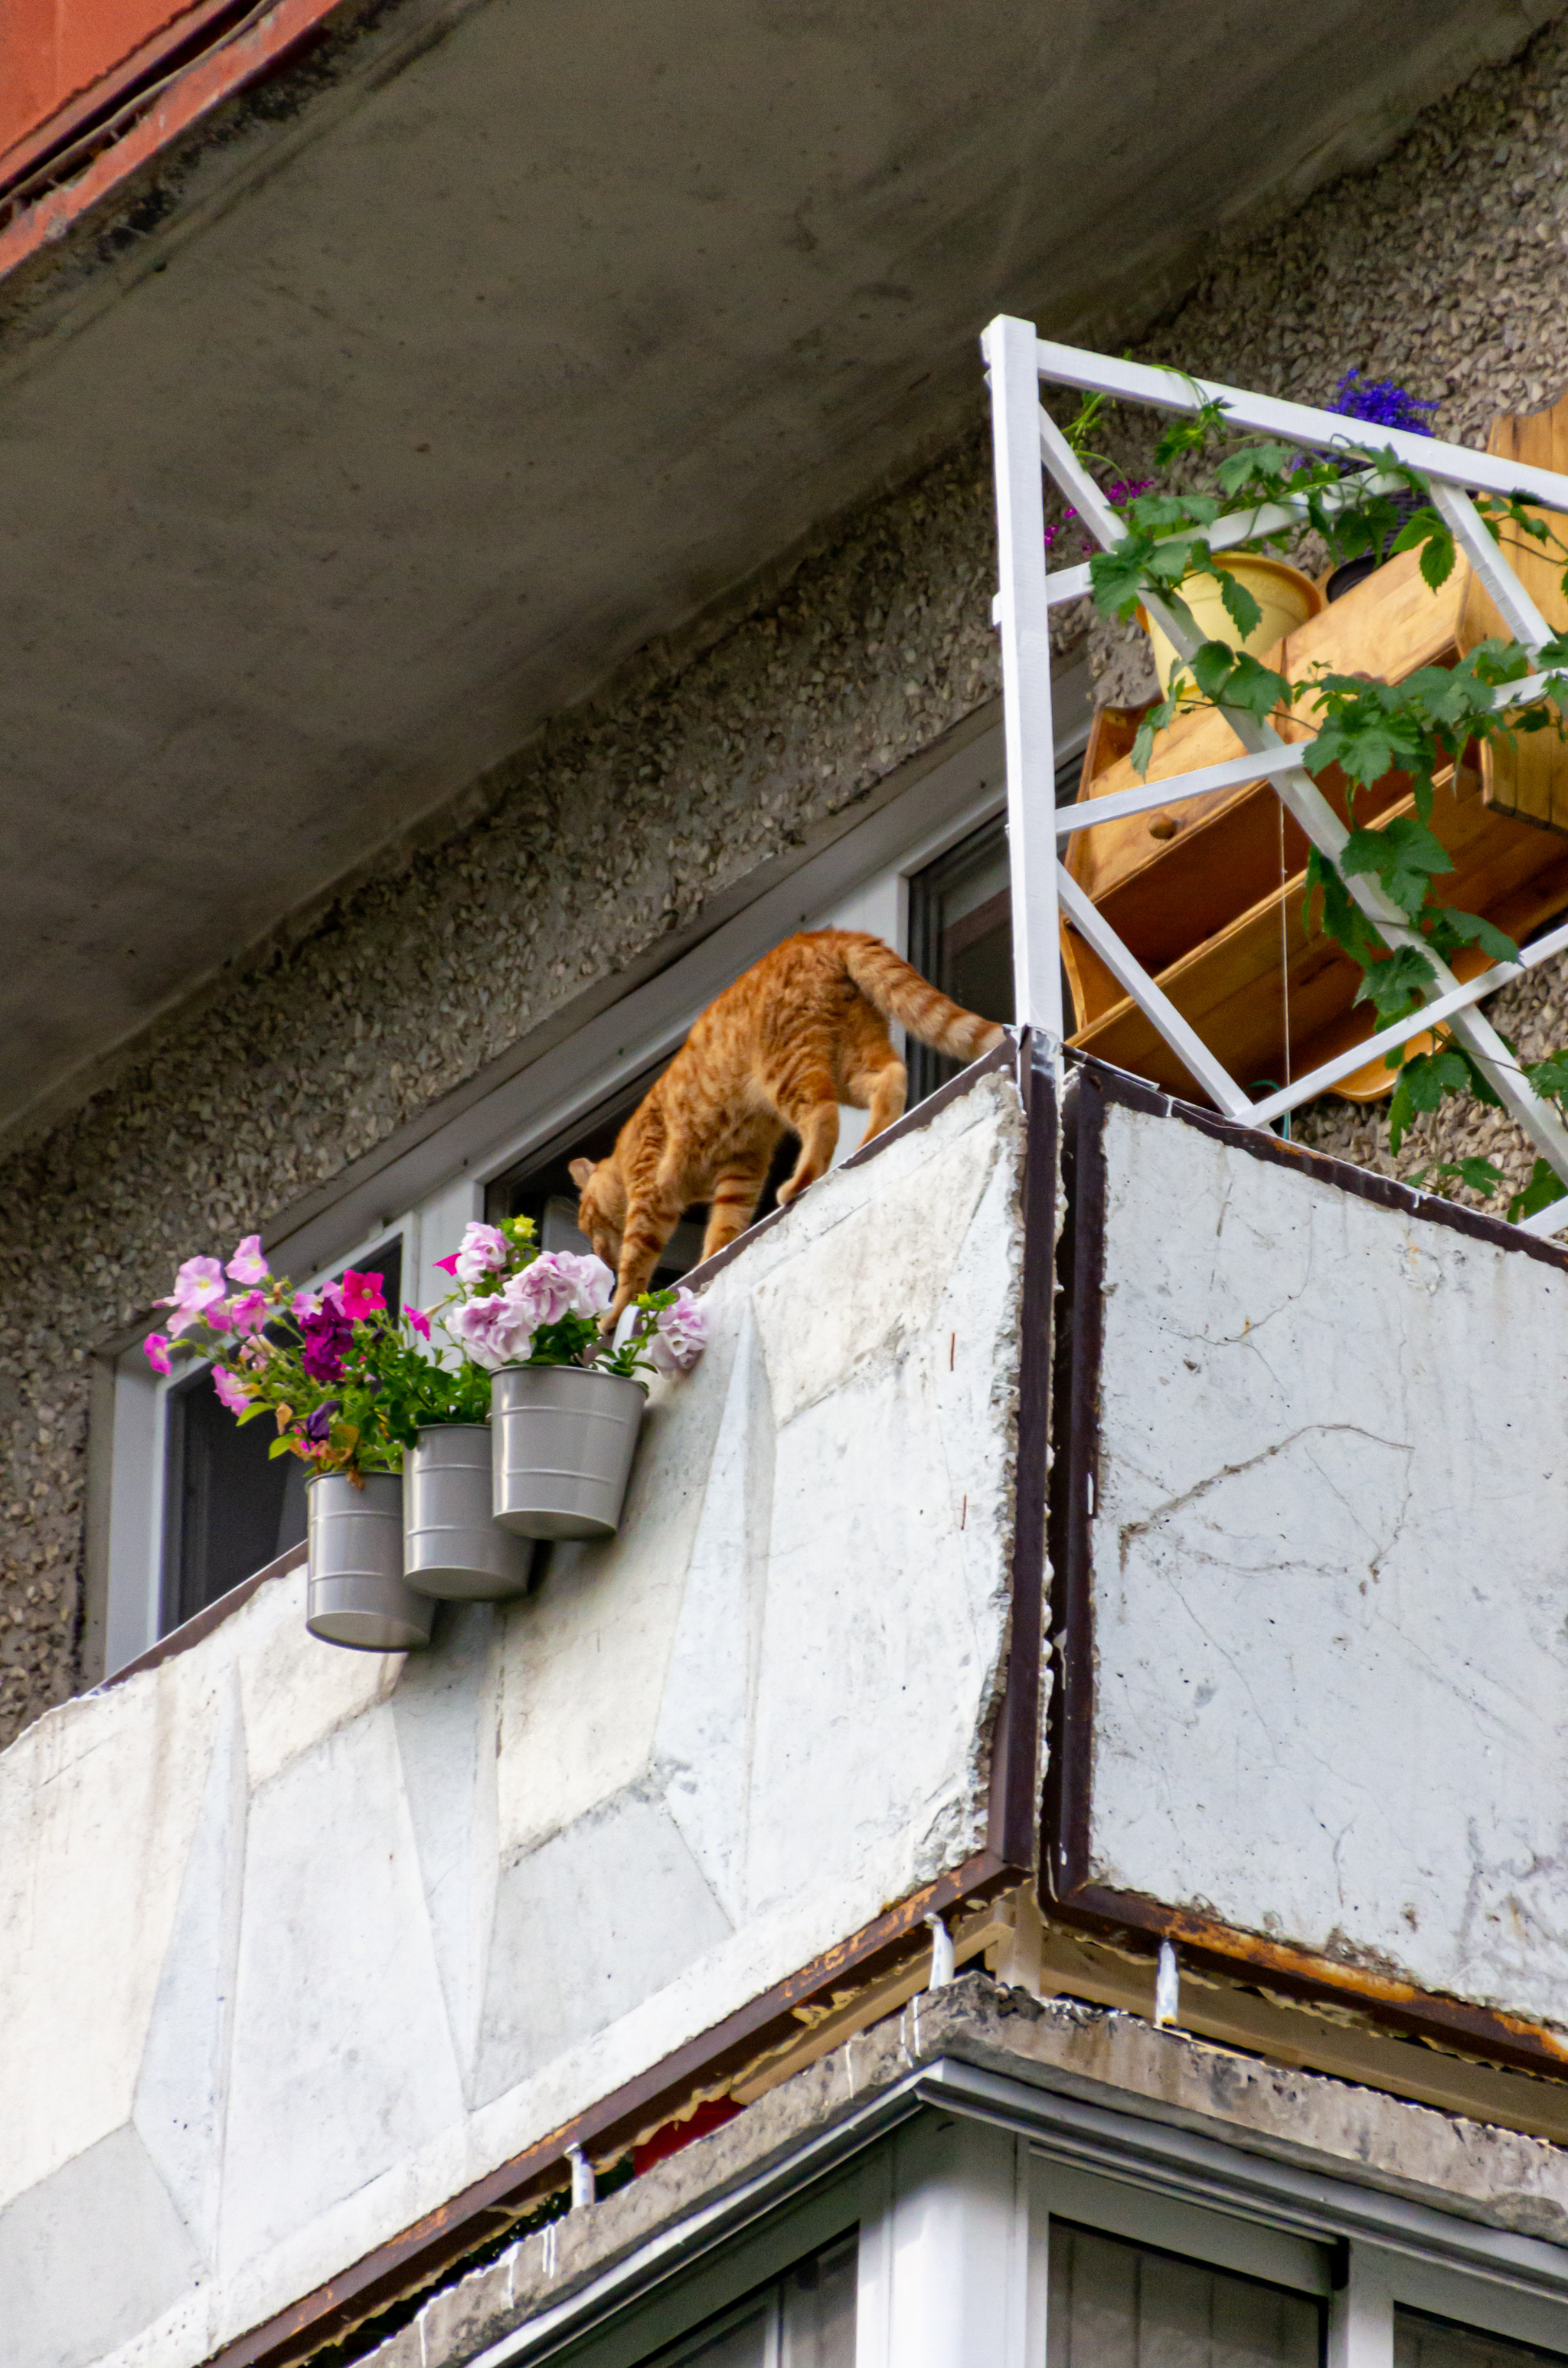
(1352,498)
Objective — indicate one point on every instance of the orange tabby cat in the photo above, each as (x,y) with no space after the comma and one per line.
(800,1031)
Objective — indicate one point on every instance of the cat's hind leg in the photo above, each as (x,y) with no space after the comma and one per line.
(878,1084)
(811,1106)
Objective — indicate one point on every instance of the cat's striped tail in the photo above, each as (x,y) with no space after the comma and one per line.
(900,993)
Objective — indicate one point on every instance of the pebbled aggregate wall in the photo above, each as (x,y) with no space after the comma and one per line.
(1444,267)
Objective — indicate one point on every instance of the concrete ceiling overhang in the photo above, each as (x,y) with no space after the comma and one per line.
(420,389)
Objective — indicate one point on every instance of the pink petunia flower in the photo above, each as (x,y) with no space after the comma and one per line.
(198,1285)
(249,1314)
(484,1250)
(233,1392)
(307,1303)
(247,1265)
(359,1295)
(492,1332)
(560,1283)
(418,1319)
(680,1333)
(156,1349)
(449,1265)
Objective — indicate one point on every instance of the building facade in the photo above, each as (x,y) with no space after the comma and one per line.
(1045,1831)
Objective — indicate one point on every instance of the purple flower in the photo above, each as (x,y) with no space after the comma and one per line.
(232,1392)
(156,1349)
(680,1333)
(325,1338)
(1123,489)
(485,1250)
(1382,402)
(318,1425)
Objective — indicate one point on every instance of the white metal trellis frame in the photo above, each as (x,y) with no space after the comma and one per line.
(1024,437)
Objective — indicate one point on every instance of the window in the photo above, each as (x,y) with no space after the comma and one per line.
(805,2320)
(1116,2305)
(961,930)
(230,1507)
(1420,2341)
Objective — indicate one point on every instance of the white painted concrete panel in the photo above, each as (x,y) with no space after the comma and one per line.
(1331,1570)
(297,1943)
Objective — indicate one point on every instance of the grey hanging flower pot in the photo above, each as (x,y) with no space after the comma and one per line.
(359,1596)
(561,1437)
(452,1547)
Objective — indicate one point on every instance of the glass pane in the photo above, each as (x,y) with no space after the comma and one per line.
(1422,2342)
(819,2310)
(1120,2306)
(744,2342)
(960,931)
(229,1510)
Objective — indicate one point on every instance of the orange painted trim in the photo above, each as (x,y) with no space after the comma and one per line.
(76,108)
(199,87)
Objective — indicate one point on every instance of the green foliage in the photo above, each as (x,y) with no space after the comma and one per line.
(1544,1187)
(1366,731)
(1479,1175)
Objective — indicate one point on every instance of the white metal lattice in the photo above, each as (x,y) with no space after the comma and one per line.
(1044,890)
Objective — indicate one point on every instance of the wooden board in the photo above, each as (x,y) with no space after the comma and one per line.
(1233,987)
(1529,776)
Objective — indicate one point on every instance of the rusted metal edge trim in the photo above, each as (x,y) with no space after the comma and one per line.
(168,49)
(1133,1093)
(191,1631)
(1301,1972)
(1014,1829)
(1075,1476)
(442,2238)
(231,60)
(1005,1056)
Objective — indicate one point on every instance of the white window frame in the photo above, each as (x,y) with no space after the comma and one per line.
(950,2180)
(860,881)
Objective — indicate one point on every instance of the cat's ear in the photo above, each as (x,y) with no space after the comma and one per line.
(581,1169)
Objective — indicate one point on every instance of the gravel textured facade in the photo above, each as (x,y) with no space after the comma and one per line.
(1443,268)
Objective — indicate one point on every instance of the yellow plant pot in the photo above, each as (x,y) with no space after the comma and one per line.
(1285,596)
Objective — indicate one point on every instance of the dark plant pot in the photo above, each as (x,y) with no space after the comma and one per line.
(563,1437)
(359,1596)
(1356,571)
(452,1547)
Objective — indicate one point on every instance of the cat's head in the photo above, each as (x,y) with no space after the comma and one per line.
(601,1206)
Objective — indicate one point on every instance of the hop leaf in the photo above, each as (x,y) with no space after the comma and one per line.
(1544,1187)
(1404,856)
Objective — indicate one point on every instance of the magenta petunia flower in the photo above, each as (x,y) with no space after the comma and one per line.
(247,1265)
(418,1319)
(449,1265)
(249,1314)
(359,1295)
(156,1349)
(232,1392)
